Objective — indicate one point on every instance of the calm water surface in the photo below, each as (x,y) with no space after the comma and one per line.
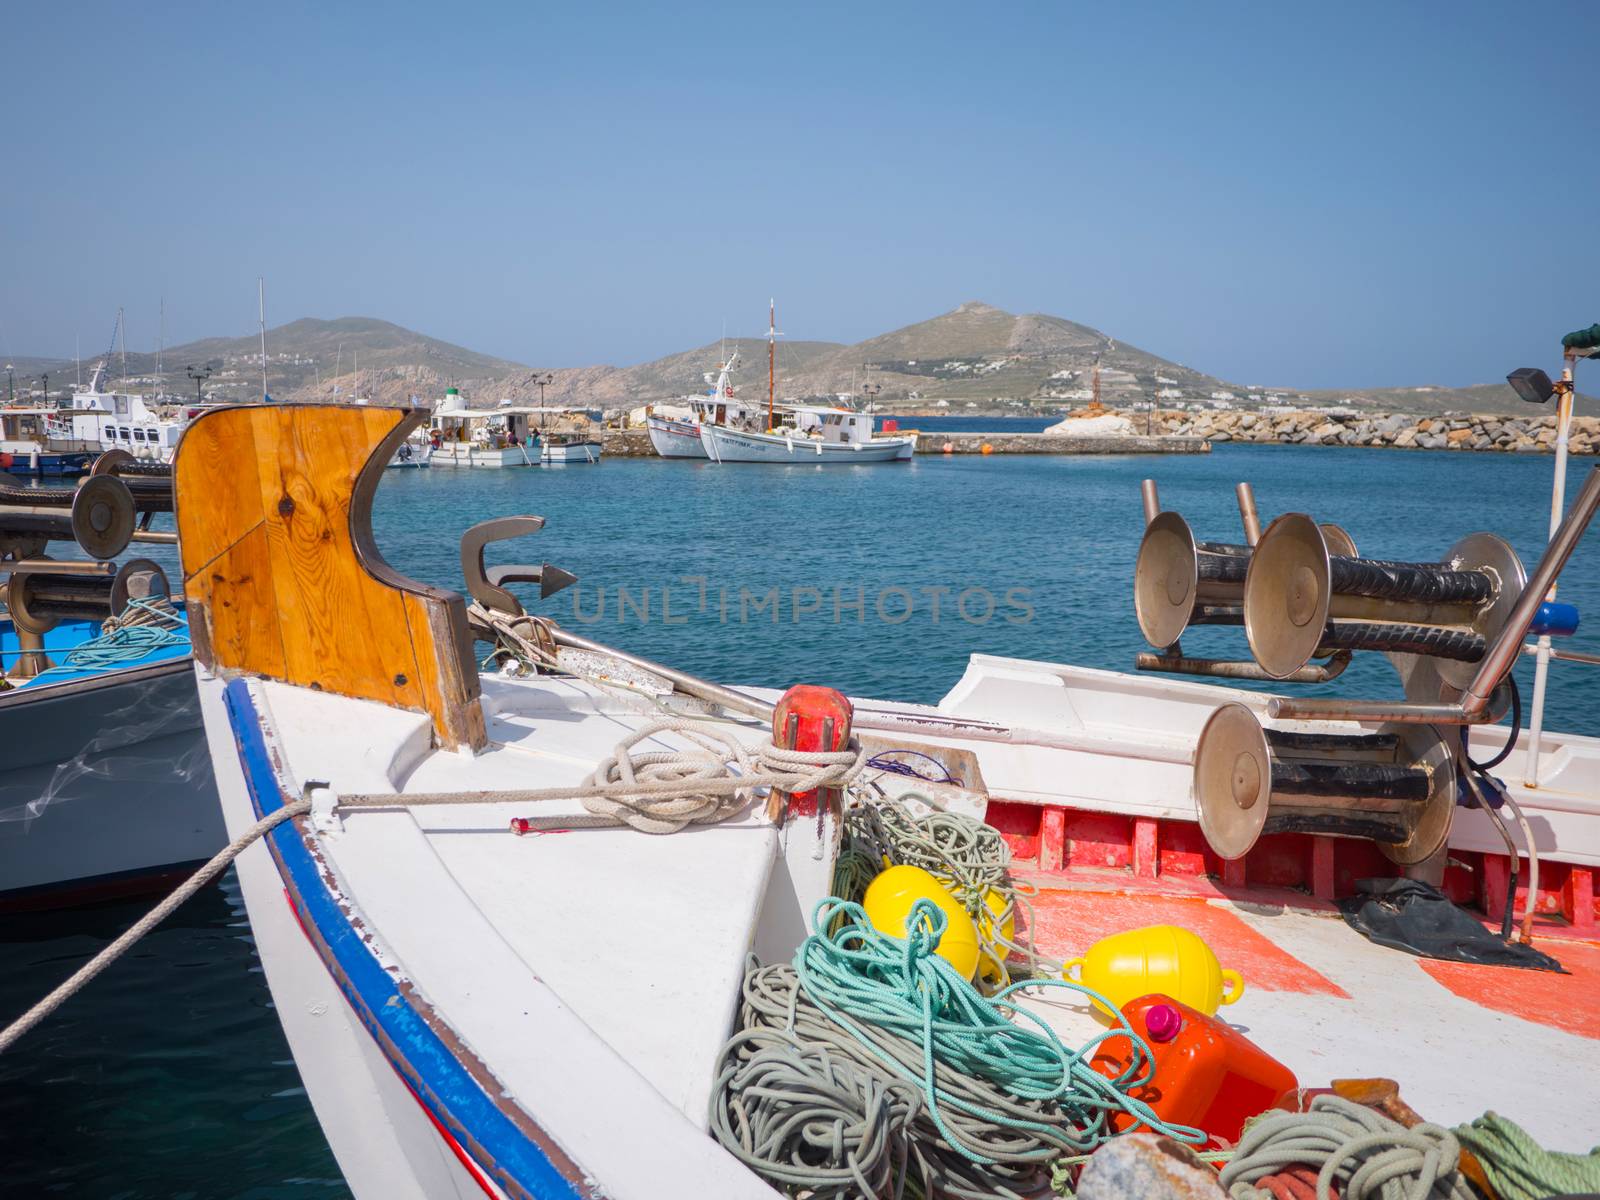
(169,1076)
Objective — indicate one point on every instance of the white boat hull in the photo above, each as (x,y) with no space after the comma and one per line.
(675,439)
(562,453)
(469,454)
(722,444)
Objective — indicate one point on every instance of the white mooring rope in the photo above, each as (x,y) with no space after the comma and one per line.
(654,792)
(148,922)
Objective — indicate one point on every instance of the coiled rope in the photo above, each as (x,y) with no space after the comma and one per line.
(972,860)
(810,1091)
(142,629)
(1368,1155)
(149,921)
(1519,1168)
(661,791)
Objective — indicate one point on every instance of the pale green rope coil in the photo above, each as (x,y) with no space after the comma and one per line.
(1520,1169)
(1366,1154)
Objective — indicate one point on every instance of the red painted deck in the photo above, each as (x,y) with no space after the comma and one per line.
(1136,854)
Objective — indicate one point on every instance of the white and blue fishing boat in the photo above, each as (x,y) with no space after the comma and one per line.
(506,917)
(31,443)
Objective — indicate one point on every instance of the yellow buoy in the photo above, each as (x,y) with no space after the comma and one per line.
(888,903)
(1159,958)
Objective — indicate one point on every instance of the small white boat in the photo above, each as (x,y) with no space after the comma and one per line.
(412,455)
(559,449)
(474,1010)
(818,435)
(675,433)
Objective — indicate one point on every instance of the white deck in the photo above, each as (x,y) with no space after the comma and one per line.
(596,973)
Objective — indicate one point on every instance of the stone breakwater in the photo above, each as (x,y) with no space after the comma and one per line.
(1532,434)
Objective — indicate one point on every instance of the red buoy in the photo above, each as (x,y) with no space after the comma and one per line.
(811,718)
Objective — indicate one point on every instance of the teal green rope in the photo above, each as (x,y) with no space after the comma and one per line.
(855,974)
(123,645)
(1520,1169)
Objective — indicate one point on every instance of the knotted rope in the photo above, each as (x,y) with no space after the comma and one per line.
(661,791)
(1368,1155)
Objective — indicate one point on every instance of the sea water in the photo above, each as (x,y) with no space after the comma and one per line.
(169,1077)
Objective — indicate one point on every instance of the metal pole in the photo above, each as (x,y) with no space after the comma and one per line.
(261,295)
(1247,513)
(1541,669)
(1151,498)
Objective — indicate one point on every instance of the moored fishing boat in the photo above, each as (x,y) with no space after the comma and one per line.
(818,435)
(675,430)
(31,444)
(103,419)
(106,789)
(474,1009)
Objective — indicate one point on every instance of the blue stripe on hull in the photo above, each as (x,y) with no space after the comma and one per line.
(444,1084)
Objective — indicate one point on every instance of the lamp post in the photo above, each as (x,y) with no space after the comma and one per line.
(44,380)
(11,384)
(199,375)
(870,391)
(547,377)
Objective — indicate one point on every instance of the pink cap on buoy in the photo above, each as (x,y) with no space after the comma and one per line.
(1162,1022)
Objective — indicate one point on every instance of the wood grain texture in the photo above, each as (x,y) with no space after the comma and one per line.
(275,535)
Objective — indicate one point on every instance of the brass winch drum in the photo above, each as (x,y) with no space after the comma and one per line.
(99,514)
(40,600)
(1396,787)
(1303,597)
(1179,581)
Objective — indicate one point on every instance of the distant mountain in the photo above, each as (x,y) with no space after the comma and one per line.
(973,357)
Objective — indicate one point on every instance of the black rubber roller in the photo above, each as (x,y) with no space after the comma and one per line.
(1217,562)
(1284,739)
(1432,640)
(1424,583)
(1356,780)
(42,497)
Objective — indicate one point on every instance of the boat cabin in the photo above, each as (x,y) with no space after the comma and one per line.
(116,420)
(834,424)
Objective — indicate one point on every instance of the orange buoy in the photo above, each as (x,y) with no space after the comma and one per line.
(988,449)
(949,448)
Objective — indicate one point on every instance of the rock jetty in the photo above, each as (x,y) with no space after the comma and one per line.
(1532,434)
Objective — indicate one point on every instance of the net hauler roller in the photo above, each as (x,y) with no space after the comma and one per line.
(39,600)
(1304,596)
(1179,581)
(1396,786)
(99,514)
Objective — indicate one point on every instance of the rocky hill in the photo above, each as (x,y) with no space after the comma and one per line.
(975,358)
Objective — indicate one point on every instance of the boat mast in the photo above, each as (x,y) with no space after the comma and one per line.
(772,356)
(261,299)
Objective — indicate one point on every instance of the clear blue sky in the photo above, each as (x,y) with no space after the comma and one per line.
(1323,195)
